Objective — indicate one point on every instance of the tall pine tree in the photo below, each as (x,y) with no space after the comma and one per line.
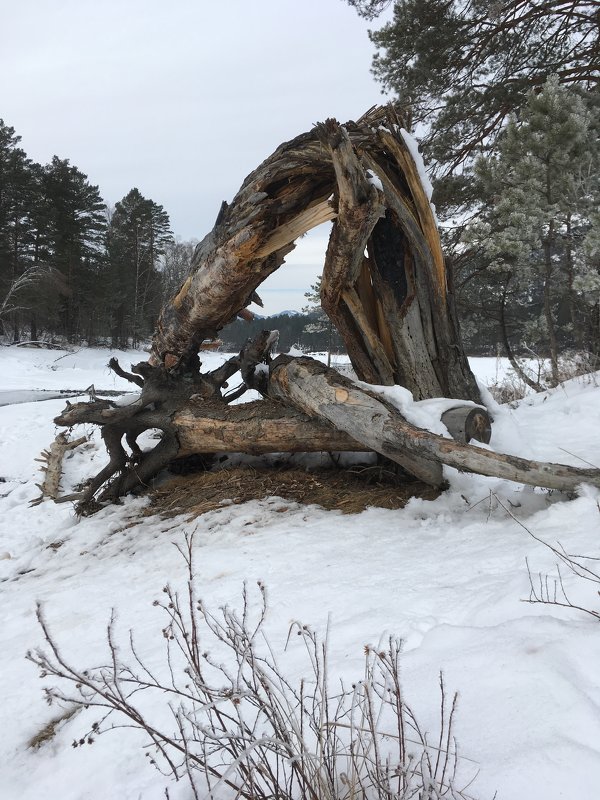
(138,233)
(17,199)
(460,68)
(74,216)
(542,188)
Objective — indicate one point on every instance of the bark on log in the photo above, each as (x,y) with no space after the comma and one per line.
(333,413)
(315,389)
(256,428)
(193,416)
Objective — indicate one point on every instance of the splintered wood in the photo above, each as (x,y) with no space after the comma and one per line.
(391,307)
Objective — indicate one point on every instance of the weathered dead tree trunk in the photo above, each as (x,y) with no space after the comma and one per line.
(384,286)
(256,428)
(392,308)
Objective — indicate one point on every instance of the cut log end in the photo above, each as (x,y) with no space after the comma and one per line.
(465,423)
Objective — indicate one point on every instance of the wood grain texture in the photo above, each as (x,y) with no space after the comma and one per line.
(51,460)
(256,428)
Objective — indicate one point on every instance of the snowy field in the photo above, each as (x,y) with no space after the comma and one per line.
(449,577)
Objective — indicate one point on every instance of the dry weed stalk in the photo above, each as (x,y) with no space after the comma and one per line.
(242,729)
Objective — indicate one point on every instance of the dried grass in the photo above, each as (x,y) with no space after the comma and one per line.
(49,731)
(347,490)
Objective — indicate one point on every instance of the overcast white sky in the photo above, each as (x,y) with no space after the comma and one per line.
(182,99)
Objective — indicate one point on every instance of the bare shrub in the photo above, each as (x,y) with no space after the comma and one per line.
(508,390)
(234,725)
(571,364)
(578,364)
(549,590)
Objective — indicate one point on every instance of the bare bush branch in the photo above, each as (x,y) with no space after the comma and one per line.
(29,277)
(551,591)
(222,713)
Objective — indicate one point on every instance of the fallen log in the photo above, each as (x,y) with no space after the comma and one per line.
(51,461)
(308,408)
(259,427)
(194,417)
(321,392)
(200,427)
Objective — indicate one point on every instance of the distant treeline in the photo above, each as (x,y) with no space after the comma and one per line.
(72,267)
(302,331)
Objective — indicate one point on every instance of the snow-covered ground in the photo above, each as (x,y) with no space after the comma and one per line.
(448,576)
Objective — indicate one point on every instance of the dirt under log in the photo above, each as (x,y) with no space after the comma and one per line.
(348,490)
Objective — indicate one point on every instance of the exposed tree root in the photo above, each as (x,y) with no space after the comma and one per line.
(191,411)
(163,392)
(386,289)
(331,413)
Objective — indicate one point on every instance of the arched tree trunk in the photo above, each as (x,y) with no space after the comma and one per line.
(392,307)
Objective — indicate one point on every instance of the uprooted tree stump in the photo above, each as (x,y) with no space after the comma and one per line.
(384,286)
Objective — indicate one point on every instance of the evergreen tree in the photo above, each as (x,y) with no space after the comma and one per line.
(71,229)
(63,270)
(17,194)
(139,231)
(542,187)
(460,68)
(319,322)
(313,307)
(292,333)
(587,279)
